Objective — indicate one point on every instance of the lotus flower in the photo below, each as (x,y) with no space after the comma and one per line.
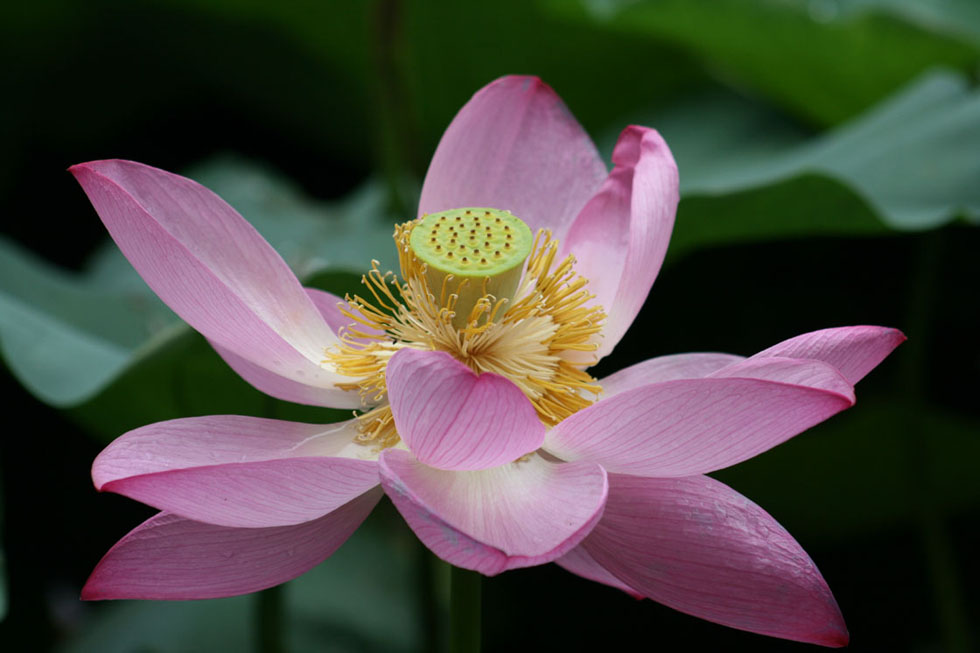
(479,418)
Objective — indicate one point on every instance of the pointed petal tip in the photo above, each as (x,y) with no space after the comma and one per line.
(524,81)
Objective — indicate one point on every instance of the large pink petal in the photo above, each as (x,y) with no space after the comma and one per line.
(515,146)
(517,515)
(854,350)
(452,418)
(169,557)
(693,426)
(285,388)
(212,268)
(665,368)
(239,471)
(581,563)
(620,237)
(700,547)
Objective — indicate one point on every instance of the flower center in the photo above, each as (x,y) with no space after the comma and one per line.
(479,251)
(457,295)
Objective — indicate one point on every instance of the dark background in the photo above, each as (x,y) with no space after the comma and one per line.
(336,95)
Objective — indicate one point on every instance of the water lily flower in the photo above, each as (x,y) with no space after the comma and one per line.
(478,416)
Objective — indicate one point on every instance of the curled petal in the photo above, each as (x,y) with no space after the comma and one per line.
(517,515)
(212,268)
(169,557)
(854,350)
(693,426)
(515,146)
(665,368)
(452,418)
(698,546)
(238,471)
(620,237)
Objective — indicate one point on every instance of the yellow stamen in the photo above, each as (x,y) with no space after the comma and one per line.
(535,340)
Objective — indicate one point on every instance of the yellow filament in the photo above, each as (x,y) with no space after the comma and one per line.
(530,340)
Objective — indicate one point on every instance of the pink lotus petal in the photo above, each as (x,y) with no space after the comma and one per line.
(581,563)
(516,515)
(238,471)
(211,267)
(515,146)
(694,426)
(620,237)
(287,389)
(452,418)
(169,557)
(854,350)
(665,368)
(698,546)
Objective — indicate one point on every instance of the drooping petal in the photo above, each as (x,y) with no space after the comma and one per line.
(238,471)
(172,558)
(698,546)
(854,350)
(517,515)
(212,268)
(452,418)
(665,368)
(694,426)
(285,388)
(620,237)
(515,146)
(581,563)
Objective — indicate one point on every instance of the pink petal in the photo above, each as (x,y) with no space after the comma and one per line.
(212,268)
(238,471)
(285,388)
(452,418)
(698,546)
(693,426)
(515,146)
(516,515)
(169,557)
(854,350)
(620,237)
(665,368)
(581,563)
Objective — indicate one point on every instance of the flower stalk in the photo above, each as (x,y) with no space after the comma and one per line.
(464,611)
(269,622)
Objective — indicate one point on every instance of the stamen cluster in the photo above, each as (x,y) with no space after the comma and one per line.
(534,339)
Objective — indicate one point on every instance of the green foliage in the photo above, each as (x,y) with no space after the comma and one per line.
(909,164)
(822,66)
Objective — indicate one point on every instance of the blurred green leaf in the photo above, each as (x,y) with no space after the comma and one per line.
(67,337)
(909,164)
(3,567)
(959,17)
(823,64)
(361,599)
